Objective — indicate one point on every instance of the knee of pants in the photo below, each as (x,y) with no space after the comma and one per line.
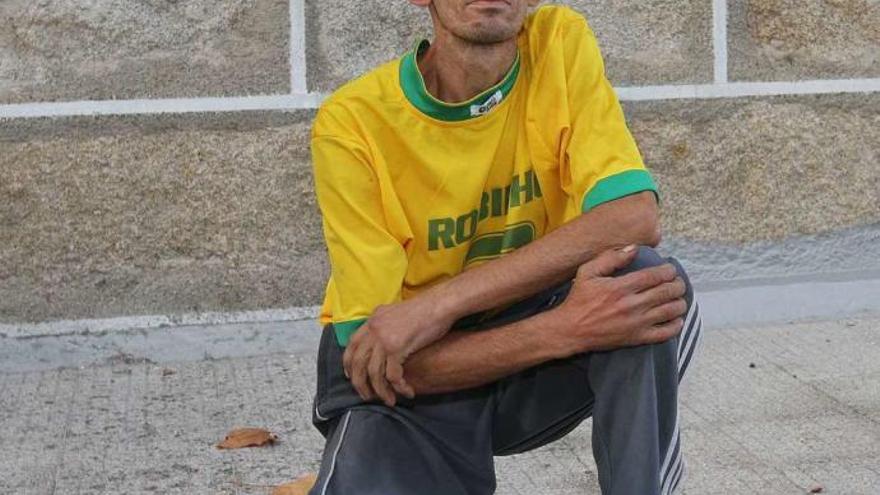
(683,347)
(648,257)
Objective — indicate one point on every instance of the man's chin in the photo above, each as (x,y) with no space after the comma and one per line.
(490,4)
(490,33)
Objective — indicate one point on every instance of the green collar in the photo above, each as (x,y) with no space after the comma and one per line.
(413,86)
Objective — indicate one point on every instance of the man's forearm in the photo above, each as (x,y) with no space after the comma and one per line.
(404,328)
(552,258)
(462,359)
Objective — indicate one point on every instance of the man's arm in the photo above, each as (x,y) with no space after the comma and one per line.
(599,313)
(551,259)
(536,266)
(396,331)
(462,359)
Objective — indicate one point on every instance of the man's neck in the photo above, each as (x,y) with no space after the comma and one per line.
(455,70)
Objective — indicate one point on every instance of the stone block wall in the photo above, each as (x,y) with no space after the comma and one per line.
(768,158)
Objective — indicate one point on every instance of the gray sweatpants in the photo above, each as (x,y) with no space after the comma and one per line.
(444,444)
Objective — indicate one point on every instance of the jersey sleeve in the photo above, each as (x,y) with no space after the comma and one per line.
(367,262)
(601,161)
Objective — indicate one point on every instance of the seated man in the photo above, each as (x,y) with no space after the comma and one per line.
(488,219)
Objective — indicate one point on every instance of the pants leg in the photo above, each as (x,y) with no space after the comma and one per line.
(436,449)
(631,393)
(636,438)
(433,445)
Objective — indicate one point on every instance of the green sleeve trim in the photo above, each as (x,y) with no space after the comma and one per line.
(617,186)
(345,329)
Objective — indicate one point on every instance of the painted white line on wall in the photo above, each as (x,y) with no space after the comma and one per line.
(745,89)
(125,323)
(719,39)
(153,106)
(298,84)
(313,100)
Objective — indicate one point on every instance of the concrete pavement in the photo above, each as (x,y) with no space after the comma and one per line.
(768,410)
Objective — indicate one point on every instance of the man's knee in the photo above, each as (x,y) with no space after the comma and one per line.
(677,353)
(648,257)
(671,353)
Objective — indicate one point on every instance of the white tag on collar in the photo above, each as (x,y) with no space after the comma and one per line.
(487,105)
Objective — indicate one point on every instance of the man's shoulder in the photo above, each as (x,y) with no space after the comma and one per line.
(374,82)
(555,14)
(376,88)
(548,21)
(558,39)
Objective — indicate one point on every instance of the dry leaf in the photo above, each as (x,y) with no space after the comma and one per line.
(247,437)
(300,486)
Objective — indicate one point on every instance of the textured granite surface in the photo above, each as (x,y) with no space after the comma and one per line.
(107,49)
(652,41)
(804,39)
(109,216)
(748,170)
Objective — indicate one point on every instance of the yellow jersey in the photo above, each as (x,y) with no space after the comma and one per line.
(414,190)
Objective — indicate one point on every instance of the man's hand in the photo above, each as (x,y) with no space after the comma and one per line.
(366,363)
(603,312)
(375,355)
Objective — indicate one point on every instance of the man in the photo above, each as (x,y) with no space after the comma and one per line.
(483,206)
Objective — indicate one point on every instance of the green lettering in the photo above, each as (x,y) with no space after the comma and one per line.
(463,231)
(484,206)
(515,189)
(497,202)
(440,229)
(536,185)
(530,186)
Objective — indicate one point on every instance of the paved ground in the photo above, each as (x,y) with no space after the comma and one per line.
(773,410)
